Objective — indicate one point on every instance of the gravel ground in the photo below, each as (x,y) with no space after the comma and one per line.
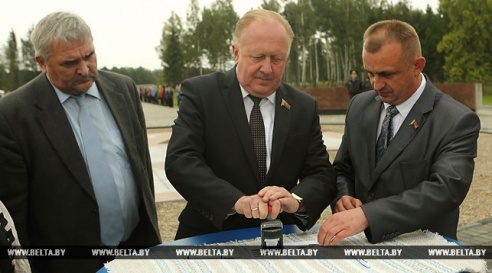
(475,207)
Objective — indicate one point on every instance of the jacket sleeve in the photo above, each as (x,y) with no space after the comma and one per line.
(13,179)
(186,166)
(317,178)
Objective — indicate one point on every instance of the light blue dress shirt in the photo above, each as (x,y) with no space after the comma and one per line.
(114,148)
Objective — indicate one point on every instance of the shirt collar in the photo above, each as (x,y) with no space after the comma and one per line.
(62,96)
(270,98)
(405,107)
(245,93)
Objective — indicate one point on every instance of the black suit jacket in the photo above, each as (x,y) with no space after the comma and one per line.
(210,158)
(43,177)
(424,174)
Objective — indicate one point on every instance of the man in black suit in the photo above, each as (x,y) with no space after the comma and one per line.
(354,84)
(47,181)
(211,159)
(423,168)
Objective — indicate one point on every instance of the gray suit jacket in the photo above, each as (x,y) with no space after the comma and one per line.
(424,174)
(210,157)
(43,177)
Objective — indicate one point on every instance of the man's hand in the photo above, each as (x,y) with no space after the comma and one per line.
(347,202)
(252,207)
(280,199)
(342,225)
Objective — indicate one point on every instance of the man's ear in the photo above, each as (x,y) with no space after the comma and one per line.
(41,63)
(419,65)
(235,52)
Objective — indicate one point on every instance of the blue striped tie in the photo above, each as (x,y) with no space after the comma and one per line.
(386,132)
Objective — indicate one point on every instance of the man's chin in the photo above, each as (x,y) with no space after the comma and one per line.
(265,90)
(386,97)
(81,88)
(83,85)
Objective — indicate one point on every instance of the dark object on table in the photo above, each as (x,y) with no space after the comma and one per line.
(271,232)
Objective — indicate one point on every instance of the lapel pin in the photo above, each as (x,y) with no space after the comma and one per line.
(285,104)
(414,124)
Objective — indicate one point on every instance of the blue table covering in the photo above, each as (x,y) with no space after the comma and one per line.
(223,236)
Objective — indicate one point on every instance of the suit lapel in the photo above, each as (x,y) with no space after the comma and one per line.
(56,126)
(117,106)
(233,99)
(280,128)
(409,128)
(369,127)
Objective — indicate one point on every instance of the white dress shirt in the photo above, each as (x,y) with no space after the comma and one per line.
(403,108)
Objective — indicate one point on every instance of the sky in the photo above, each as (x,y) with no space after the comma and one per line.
(126,32)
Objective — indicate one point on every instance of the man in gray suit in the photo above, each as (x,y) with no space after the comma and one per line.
(48,180)
(422,170)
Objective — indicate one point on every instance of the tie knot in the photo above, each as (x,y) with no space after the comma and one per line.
(391,111)
(83,100)
(80,100)
(255,100)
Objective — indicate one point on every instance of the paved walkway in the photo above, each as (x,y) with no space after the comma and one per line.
(159,117)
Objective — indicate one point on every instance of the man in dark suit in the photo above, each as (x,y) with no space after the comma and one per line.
(354,84)
(211,158)
(425,163)
(45,182)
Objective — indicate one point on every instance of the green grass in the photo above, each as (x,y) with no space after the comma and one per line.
(487,94)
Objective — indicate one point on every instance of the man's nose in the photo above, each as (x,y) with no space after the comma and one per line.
(377,82)
(83,68)
(266,66)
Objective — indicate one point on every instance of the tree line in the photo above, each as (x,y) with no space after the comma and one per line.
(455,41)
(17,68)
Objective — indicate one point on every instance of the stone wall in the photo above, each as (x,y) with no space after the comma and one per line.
(335,100)
(465,93)
(330,100)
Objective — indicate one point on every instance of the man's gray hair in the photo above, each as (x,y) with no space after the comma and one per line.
(58,27)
